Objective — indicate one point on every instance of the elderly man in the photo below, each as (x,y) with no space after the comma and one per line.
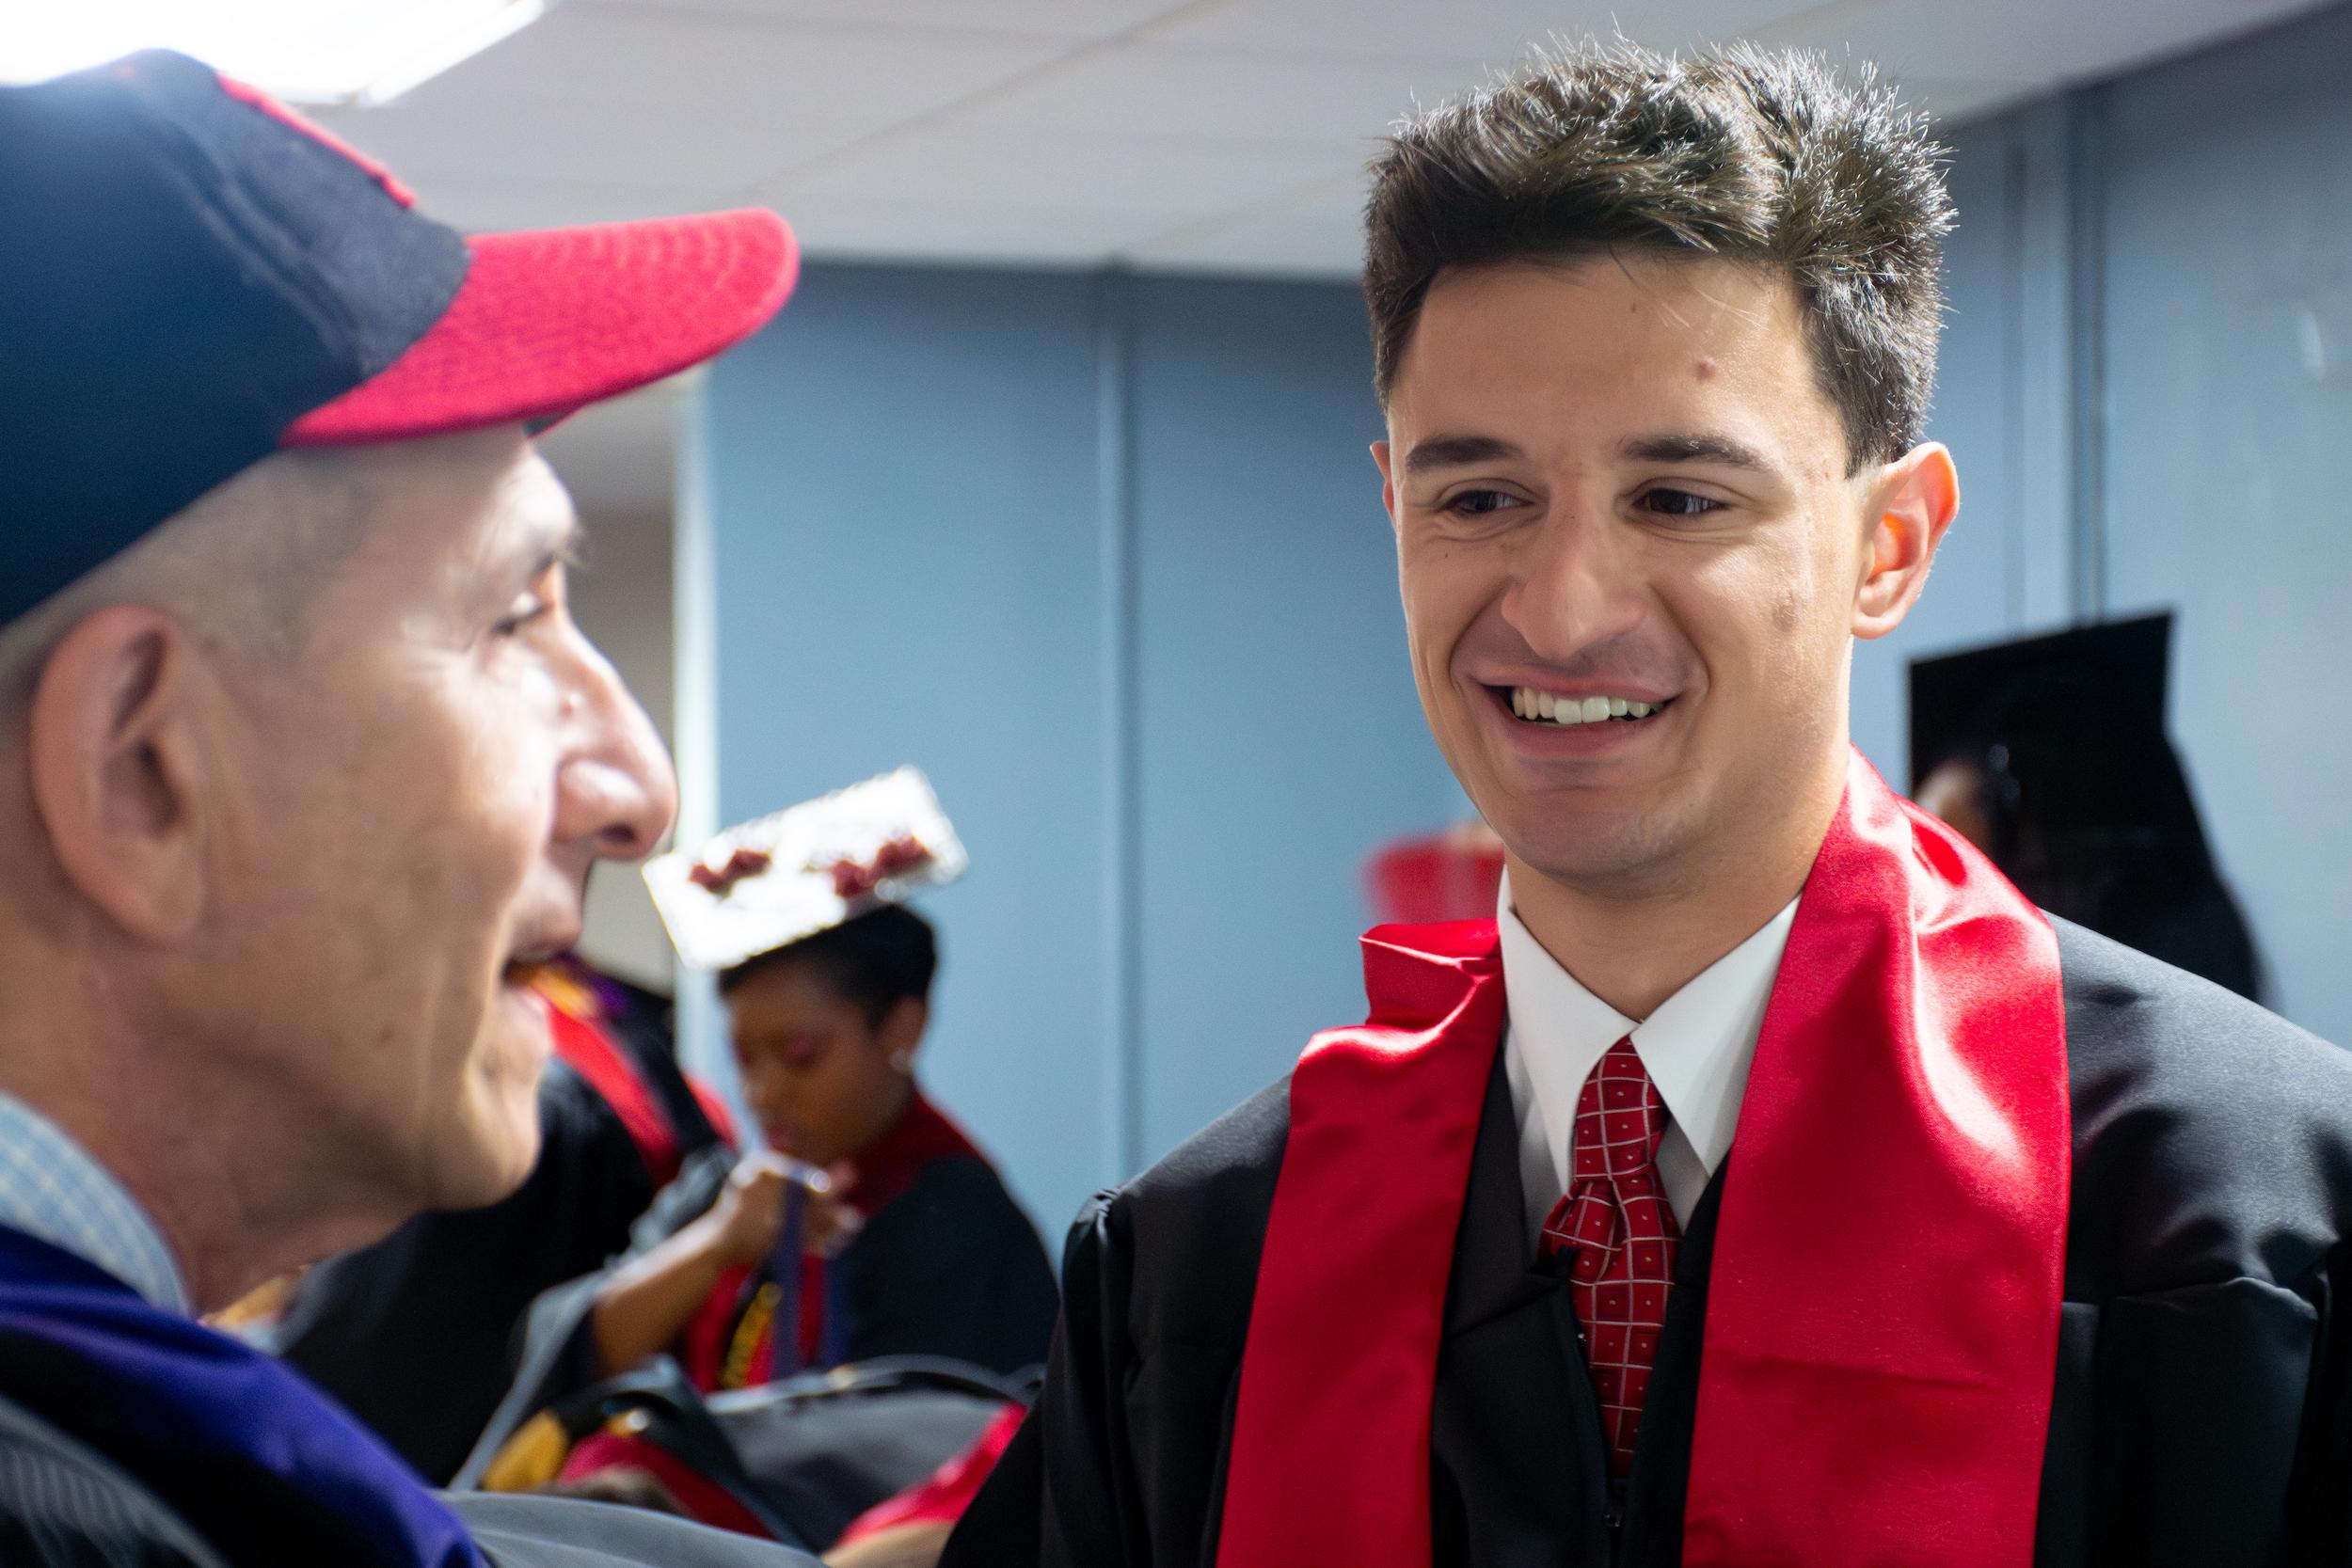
(301,762)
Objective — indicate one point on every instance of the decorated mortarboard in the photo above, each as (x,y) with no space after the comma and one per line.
(784,877)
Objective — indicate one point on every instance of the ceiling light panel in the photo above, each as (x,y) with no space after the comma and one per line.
(306,51)
(1230,95)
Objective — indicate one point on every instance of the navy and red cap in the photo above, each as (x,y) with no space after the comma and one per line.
(193,277)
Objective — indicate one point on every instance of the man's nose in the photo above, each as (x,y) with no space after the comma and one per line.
(617,792)
(1575,584)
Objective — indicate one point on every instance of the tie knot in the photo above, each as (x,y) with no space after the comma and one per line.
(1619,1117)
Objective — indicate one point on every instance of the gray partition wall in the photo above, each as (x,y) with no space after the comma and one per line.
(2148,382)
(2225,474)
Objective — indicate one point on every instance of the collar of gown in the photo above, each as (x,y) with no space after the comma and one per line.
(1697,1047)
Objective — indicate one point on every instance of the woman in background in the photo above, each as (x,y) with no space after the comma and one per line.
(862,1225)
(912,1246)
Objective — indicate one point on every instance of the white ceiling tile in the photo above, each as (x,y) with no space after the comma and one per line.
(1071,19)
(709,146)
(1176,177)
(1227,95)
(603,51)
(1495,32)
(853,227)
(602,94)
(1212,132)
(1315,231)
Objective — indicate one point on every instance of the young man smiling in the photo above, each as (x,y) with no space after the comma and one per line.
(1770,1183)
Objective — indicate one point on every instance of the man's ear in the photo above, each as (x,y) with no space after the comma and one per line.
(114,769)
(1913,502)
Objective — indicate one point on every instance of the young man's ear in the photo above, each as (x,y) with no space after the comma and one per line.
(1912,502)
(114,769)
(1380,450)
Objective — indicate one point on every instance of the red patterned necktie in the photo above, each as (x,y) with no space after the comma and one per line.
(1615,1219)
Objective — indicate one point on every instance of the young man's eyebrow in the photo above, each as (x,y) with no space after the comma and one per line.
(1693,446)
(1455,451)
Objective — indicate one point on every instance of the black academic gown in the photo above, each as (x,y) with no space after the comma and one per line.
(420,1335)
(2201,1415)
(950,1267)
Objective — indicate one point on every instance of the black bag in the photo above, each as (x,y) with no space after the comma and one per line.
(806,1455)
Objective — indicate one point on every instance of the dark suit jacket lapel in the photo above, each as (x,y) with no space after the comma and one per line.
(1661,1456)
(1520,1474)
(1516,1431)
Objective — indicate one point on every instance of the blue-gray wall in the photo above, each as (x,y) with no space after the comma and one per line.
(2147,380)
(2227,318)
(1105,556)
(2002,403)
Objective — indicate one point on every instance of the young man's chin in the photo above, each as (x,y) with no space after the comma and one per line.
(1604,841)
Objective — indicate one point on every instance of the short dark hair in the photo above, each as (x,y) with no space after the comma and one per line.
(1746,154)
(877,960)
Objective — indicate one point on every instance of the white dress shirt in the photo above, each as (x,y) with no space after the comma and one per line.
(1696,1048)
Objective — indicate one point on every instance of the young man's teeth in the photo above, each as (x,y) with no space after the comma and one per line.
(1528,703)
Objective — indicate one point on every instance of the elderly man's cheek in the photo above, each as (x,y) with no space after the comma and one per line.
(510,1057)
(536,691)
(522,1033)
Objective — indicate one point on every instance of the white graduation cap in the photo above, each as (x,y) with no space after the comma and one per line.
(780,878)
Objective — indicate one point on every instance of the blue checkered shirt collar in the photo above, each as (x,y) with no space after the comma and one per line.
(51,1188)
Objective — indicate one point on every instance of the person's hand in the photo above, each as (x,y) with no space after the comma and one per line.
(749,1215)
(748,1219)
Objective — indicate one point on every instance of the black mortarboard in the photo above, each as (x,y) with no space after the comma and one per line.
(2122,665)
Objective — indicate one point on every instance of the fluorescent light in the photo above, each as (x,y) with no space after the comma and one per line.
(307,51)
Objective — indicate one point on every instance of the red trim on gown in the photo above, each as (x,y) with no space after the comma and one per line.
(576,1024)
(942,1499)
(584,1046)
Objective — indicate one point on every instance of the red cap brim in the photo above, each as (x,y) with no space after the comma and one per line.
(550,320)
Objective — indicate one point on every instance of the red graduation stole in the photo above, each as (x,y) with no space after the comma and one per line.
(1881,1324)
